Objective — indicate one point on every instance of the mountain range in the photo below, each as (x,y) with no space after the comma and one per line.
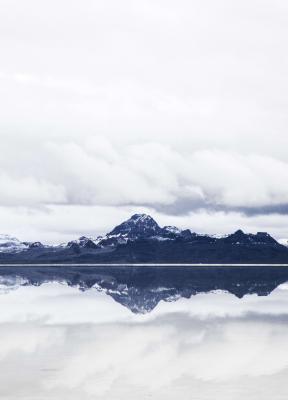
(141,240)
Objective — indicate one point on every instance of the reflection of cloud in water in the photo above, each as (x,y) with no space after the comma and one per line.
(71,345)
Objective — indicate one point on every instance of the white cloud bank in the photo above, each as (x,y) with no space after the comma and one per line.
(174,107)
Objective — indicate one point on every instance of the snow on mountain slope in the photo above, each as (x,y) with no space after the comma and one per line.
(284,242)
(10,244)
(137,225)
(85,242)
(172,229)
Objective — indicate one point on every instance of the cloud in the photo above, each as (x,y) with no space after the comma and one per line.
(174,108)
(96,172)
(28,191)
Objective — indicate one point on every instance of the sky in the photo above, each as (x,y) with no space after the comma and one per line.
(61,342)
(175,109)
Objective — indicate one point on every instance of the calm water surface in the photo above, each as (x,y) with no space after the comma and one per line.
(146,333)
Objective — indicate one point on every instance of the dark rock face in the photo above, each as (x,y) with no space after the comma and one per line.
(239,237)
(187,235)
(82,242)
(34,245)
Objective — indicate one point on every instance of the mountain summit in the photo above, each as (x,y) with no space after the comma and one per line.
(239,237)
(139,225)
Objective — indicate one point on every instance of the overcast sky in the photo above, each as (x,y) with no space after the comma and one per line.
(175,108)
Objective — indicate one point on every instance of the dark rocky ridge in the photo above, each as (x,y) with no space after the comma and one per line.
(141,240)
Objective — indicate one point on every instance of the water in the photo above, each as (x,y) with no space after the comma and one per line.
(146,333)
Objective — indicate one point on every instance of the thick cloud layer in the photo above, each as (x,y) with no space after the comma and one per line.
(177,108)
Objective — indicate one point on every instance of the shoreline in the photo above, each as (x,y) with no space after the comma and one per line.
(190,265)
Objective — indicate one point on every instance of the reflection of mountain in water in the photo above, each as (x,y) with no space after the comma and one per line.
(141,288)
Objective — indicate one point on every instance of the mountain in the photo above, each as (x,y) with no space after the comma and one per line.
(139,225)
(10,244)
(141,240)
(171,231)
(84,242)
(241,238)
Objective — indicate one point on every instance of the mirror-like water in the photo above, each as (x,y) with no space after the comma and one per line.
(146,333)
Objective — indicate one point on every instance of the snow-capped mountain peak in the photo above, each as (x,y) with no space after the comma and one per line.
(10,244)
(141,218)
(139,225)
(85,242)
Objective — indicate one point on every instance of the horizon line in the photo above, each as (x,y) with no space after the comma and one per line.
(140,265)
